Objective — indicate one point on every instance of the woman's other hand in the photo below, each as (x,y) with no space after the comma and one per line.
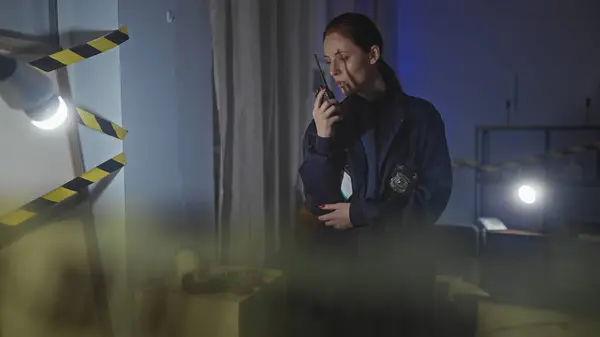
(339,217)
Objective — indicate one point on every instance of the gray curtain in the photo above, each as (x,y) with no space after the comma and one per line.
(263,88)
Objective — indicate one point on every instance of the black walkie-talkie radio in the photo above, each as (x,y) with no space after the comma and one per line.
(328,93)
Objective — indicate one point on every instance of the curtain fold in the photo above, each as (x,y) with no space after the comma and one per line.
(262,53)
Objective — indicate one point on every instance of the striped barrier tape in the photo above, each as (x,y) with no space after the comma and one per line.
(81,52)
(62,193)
(100,124)
(531,160)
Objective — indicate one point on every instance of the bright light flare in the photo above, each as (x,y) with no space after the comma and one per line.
(58,118)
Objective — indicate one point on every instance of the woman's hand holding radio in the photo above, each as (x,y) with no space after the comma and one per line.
(325,113)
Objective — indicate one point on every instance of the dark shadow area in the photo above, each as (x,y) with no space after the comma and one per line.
(28,44)
(543,272)
(158,315)
(74,300)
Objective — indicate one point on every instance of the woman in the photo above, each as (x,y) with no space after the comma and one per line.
(388,152)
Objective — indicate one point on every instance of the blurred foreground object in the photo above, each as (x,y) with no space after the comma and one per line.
(505,320)
(239,302)
(46,285)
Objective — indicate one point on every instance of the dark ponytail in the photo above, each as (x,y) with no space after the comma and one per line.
(389,76)
(365,34)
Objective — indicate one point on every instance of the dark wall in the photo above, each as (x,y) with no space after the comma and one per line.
(469,57)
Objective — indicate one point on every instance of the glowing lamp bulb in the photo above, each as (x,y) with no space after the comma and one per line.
(527,194)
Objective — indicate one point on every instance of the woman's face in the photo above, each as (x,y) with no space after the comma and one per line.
(350,66)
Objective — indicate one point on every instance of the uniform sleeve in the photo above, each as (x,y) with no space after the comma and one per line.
(321,171)
(430,197)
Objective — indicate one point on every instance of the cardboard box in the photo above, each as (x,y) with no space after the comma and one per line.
(168,311)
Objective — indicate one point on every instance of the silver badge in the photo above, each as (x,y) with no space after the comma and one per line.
(400,181)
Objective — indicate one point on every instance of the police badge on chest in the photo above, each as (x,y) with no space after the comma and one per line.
(403,180)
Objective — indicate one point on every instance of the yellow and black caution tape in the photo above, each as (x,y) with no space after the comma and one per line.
(63,192)
(531,160)
(81,52)
(56,196)
(100,124)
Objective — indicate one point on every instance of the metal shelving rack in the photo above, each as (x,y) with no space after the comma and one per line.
(482,150)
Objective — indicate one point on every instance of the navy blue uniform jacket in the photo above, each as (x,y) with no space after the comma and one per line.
(396,153)
(375,143)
